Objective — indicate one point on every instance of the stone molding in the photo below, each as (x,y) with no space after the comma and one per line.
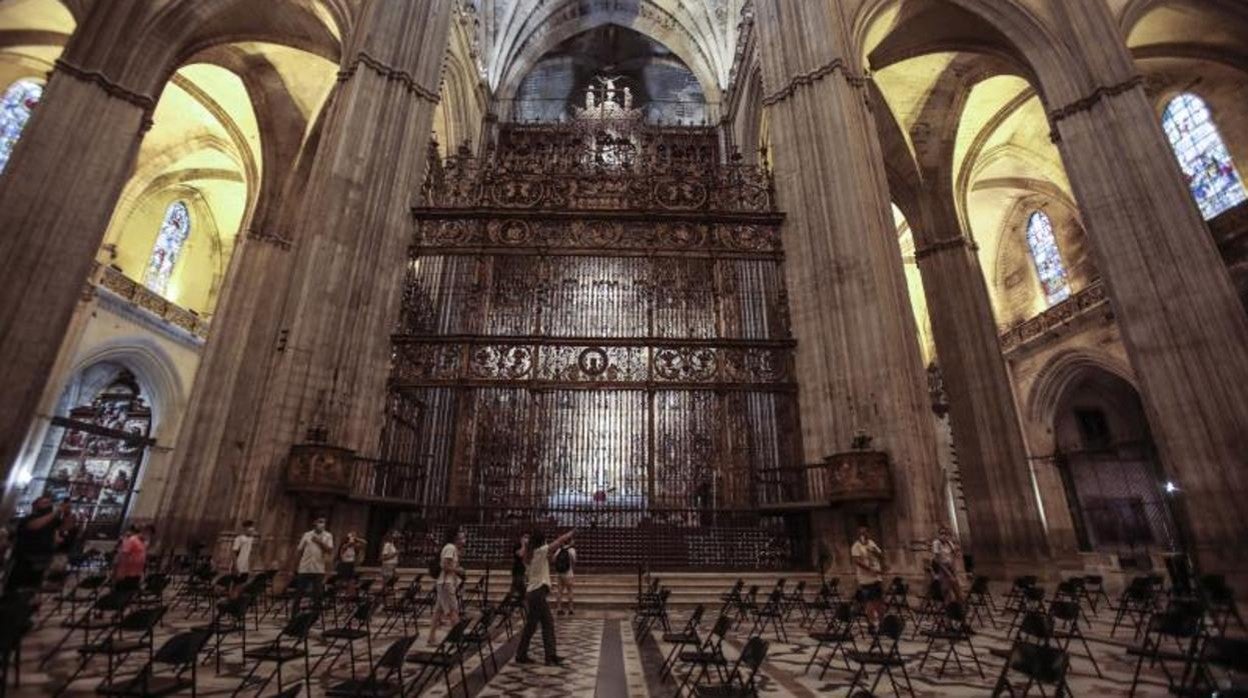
(1103,92)
(269,238)
(385,71)
(810,78)
(1046,325)
(110,87)
(925,251)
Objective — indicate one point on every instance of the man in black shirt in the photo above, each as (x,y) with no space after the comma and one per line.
(36,542)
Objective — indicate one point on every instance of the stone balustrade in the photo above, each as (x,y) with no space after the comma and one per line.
(137,294)
(1042,326)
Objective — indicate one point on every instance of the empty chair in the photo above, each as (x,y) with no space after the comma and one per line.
(342,638)
(1172,637)
(230,619)
(740,681)
(133,633)
(178,656)
(384,680)
(953,630)
(1040,665)
(979,601)
(885,654)
(1031,601)
(839,635)
(478,637)
(707,655)
(1135,605)
(290,645)
(686,637)
(771,612)
(1066,616)
(1094,591)
(440,661)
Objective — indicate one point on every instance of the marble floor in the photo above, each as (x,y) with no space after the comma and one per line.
(604,657)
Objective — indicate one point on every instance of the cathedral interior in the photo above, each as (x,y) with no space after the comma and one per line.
(725,287)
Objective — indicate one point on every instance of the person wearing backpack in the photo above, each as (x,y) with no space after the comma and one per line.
(565,564)
(537,557)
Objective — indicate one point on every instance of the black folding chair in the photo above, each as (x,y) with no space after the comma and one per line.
(1031,601)
(740,682)
(440,661)
(931,607)
(133,633)
(686,637)
(884,653)
(357,627)
(290,645)
(1136,604)
(796,601)
(230,619)
(1066,616)
(953,630)
(707,655)
(1094,592)
(771,612)
(385,679)
(1042,665)
(1172,637)
(979,602)
(745,605)
(839,632)
(95,621)
(653,613)
(179,656)
(479,637)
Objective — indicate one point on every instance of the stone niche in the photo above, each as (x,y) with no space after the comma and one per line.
(319,469)
(858,476)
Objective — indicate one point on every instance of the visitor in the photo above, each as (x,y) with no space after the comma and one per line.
(450,573)
(35,543)
(347,556)
(944,555)
(537,556)
(313,548)
(240,563)
(131,558)
(868,560)
(565,566)
(389,559)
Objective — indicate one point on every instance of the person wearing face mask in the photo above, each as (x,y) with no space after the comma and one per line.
(314,547)
(36,543)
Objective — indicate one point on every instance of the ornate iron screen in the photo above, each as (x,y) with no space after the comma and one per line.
(594,321)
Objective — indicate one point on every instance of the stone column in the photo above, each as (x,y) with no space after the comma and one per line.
(231,381)
(858,358)
(1184,328)
(353,233)
(1006,527)
(57,195)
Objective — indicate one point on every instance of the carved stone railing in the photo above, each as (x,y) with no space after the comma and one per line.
(853,476)
(140,296)
(1037,328)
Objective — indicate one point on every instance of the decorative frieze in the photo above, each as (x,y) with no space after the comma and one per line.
(1060,315)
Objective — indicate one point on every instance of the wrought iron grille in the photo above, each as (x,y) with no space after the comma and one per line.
(595,341)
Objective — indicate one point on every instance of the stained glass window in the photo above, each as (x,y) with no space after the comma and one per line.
(15,108)
(173,233)
(1047,258)
(1202,154)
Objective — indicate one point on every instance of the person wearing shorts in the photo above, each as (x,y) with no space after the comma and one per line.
(565,569)
(868,562)
(446,603)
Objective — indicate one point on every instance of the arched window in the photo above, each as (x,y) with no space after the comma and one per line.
(1047,258)
(1203,157)
(15,108)
(173,234)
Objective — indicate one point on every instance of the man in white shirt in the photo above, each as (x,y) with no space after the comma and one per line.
(243,543)
(446,604)
(314,547)
(868,561)
(944,564)
(537,555)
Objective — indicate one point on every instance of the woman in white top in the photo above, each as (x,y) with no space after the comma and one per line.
(537,556)
(446,603)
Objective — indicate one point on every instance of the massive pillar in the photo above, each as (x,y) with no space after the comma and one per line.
(57,195)
(1184,328)
(858,357)
(230,383)
(1007,530)
(353,232)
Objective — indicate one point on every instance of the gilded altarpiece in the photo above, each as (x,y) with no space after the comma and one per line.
(595,328)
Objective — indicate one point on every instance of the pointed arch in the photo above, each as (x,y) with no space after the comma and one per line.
(1203,156)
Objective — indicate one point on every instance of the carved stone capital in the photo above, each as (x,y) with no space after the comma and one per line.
(1103,92)
(408,81)
(925,251)
(809,78)
(110,87)
(269,238)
